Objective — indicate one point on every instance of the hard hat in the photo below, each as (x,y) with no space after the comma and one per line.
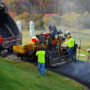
(67,32)
(50,27)
(88,49)
(34,39)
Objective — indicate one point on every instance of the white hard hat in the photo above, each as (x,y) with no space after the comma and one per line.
(67,32)
(88,49)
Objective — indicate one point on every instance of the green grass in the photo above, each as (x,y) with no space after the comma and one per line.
(83,58)
(19,75)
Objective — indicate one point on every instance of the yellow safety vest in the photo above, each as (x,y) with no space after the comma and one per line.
(41,56)
(70,42)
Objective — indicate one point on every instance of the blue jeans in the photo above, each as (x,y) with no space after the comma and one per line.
(43,68)
(70,52)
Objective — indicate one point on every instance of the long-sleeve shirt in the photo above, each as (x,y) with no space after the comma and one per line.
(70,42)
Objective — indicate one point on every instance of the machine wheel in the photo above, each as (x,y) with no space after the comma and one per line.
(28,58)
(10,49)
(24,58)
(32,58)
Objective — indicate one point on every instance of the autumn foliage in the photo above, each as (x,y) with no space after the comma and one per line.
(68,13)
(13,14)
(26,15)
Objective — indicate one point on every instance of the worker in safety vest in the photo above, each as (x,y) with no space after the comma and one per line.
(70,46)
(41,61)
(88,54)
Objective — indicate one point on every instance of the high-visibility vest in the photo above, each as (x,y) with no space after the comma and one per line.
(70,42)
(41,56)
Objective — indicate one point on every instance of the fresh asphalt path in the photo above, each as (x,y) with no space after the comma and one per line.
(77,70)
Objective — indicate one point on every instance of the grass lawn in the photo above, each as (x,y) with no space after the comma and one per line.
(19,75)
(83,58)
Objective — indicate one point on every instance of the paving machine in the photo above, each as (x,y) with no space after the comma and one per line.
(52,44)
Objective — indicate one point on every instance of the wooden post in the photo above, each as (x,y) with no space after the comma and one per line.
(79,50)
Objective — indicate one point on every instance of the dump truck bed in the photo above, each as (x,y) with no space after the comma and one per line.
(8,30)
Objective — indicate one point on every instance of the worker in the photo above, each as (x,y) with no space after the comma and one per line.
(53,30)
(75,50)
(50,29)
(41,61)
(70,47)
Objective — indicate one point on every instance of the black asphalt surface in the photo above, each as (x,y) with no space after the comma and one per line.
(77,70)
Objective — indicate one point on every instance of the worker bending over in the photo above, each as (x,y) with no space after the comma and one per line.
(41,61)
(53,30)
(70,47)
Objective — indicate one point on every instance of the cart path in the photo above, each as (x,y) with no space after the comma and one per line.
(77,70)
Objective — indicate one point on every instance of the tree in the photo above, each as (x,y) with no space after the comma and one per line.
(13,14)
(26,16)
